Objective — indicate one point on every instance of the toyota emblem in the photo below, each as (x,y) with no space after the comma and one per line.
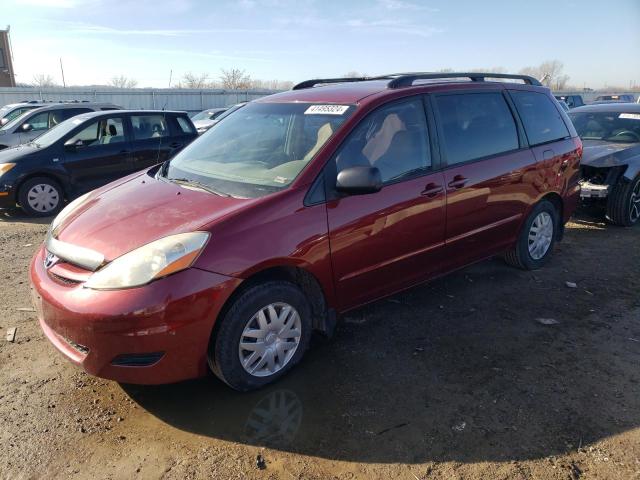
(50,260)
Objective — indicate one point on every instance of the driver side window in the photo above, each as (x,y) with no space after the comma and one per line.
(101,132)
(393,139)
(39,121)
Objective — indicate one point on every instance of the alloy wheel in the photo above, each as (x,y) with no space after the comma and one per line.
(634,203)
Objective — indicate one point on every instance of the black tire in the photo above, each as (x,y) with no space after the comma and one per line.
(619,202)
(224,357)
(48,182)
(519,255)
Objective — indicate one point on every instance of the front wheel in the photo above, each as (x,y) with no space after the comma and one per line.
(262,336)
(40,197)
(537,238)
(623,205)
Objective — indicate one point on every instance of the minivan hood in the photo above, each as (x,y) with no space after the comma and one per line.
(597,153)
(126,215)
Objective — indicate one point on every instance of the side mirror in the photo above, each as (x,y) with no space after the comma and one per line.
(25,127)
(72,146)
(3,122)
(359,180)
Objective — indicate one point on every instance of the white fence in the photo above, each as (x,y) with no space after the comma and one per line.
(136,98)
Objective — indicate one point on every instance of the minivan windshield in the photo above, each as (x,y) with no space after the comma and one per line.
(206,115)
(617,127)
(259,149)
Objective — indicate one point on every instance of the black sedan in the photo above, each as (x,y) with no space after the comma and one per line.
(86,152)
(611,161)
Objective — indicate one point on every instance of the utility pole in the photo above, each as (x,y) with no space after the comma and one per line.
(170,75)
(62,70)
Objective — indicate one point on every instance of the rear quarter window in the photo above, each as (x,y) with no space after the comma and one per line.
(184,126)
(541,119)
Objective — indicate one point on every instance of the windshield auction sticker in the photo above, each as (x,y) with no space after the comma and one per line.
(326,109)
(630,116)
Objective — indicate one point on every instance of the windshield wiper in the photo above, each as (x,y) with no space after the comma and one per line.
(196,184)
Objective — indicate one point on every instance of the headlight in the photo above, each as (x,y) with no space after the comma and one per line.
(66,211)
(5,167)
(149,262)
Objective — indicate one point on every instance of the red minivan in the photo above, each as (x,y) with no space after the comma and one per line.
(296,208)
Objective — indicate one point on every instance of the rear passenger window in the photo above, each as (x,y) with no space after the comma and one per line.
(185,125)
(541,119)
(393,139)
(149,126)
(475,125)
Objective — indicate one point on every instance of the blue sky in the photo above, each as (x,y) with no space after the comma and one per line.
(599,42)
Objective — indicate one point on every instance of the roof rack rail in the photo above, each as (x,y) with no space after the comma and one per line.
(399,80)
(407,80)
(319,81)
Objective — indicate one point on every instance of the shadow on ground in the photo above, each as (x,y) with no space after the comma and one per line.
(459,369)
(18,216)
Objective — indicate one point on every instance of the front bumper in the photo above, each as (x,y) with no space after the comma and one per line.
(154,334)
(592,190)
(7,195)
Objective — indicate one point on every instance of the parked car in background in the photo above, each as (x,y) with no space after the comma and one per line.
(206,118)
(626,98)
(86,152)
(295,208)
(564,105)
(572,101)
(13,110)
(33,123)
(611,160)
(227,111)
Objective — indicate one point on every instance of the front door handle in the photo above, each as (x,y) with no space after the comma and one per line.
(123,152)
(458,182)
(431,190)
(175,145)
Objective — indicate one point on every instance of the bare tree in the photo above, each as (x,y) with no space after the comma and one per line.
(123,82)
(271,84)
(43,80)
(550,73)
(235,79)
(191,80)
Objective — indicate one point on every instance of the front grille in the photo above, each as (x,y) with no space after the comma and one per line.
(62,280)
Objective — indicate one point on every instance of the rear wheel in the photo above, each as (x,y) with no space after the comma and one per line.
(623,205)
(40,197)
(262,336)
(537,238)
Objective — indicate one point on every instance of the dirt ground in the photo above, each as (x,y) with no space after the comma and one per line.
(455,379)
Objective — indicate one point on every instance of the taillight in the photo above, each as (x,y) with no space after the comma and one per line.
(578,144)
